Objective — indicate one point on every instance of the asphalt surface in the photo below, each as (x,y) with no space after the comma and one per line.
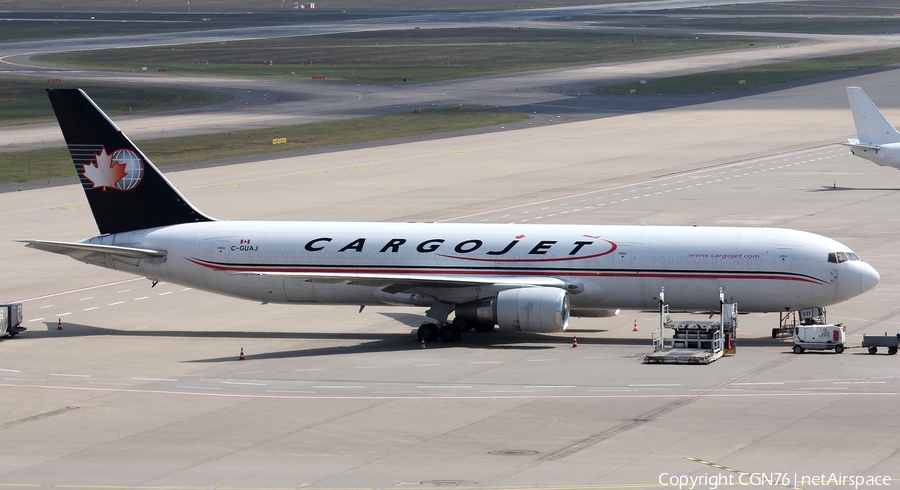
(143,388)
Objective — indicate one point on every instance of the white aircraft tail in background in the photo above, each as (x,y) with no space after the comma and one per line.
(878,140)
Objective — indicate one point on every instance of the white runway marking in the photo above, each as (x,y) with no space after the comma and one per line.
(734,167)
(445,387)
(833,393)
(71,375)
(88,288)
(154,379)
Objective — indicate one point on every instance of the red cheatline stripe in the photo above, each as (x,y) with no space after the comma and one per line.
(507,272)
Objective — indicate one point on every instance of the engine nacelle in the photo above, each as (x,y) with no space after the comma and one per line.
(533,310)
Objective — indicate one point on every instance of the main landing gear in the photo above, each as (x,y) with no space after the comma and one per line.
(448,332)
(429,332)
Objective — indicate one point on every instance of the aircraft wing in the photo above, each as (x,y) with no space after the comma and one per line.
(82,251)
(399,282)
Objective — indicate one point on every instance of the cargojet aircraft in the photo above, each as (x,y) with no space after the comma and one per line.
(878,140)
(526,278)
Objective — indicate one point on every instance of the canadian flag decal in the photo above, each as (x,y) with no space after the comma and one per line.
(121,170)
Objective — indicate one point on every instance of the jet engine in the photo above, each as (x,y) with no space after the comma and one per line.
(533,310)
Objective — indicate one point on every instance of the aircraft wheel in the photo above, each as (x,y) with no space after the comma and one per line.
(463,325)
(798,349)
(427,332)
(774,333)
(449,333)
(838,349)
(873,350)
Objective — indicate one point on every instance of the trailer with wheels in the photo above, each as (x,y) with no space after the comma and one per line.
(819,337)
(11,320)
(889,342)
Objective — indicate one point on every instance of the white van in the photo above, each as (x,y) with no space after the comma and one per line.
(819,337)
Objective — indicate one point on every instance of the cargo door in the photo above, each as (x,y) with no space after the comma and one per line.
(791,293)
(221,251)
(299,290)
(783,260)
(623,257)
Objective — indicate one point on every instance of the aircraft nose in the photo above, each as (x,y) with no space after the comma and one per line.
(868,277)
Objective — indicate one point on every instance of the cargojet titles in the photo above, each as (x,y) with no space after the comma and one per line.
(564,250)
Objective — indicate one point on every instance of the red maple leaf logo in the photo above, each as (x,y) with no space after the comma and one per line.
(519,237)
(104,172)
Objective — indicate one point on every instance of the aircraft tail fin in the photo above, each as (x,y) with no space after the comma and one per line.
(125,190)
(872,128)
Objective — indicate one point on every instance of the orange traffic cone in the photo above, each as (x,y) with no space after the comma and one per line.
(422,343)
(635,326)
(242,358)
(574,342)
(59,324)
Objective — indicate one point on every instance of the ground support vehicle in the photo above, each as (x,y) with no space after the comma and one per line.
(11,320)
(873,342)
(819,337)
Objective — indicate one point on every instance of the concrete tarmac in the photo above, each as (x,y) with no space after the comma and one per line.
(142,387)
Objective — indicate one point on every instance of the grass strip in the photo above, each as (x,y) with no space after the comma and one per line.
(756,76)
(24,100)
(405,56)
(48,163)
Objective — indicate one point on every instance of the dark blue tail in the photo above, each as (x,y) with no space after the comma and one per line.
(125,191)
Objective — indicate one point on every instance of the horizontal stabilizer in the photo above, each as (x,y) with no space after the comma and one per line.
(79,250)
(857,144)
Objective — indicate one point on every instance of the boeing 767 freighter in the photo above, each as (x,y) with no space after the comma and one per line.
(526,278)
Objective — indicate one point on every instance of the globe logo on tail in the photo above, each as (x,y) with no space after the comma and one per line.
(122,170)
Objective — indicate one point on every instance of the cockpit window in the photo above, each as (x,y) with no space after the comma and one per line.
(841,257)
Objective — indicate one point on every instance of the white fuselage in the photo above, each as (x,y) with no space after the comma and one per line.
(604,267)
(886,155)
